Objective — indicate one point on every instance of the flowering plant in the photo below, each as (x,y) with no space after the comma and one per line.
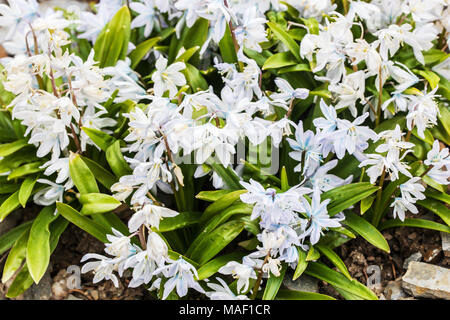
(206,141)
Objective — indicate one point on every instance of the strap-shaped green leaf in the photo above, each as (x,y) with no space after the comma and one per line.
(287,40)
(215,241)
(437,208)
(366,230)
(9,148)
(301,295)
(418,223)
(100,138)
(212,196)
(182,220)
(102,175)
(227,48)
(112,42)
(116,160)
(26,188)
(141,50)
(81,176)
(336,279)
(7,240)
(38,248)
(301,264)
(220,204)
(347,195)
(334,259)
(95,203)
(88,225)
(16,256)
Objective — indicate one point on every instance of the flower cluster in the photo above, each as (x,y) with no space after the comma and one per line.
(353,97)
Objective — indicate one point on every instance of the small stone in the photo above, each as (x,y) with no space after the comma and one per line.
(412,236)
(59,290)
(414,257)
(427,281)
(445,237)
(304,283)
(431,254)
(72,297)
(394,291)
(40,291)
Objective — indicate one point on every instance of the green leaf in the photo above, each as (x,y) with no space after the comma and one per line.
(301,295)
(366,230)
(181,220)
(9,205)
(95,203)
(301,265)
(438,196)
(21,283)
(336,279)
(88,225)
(334,259)
(366,203)
(26,169)
(81,176)
(273,284)
(284,180)
(194,78)
(212,196)
(101,174)
(228,175)
(312,255)
(437,208)
(227,48)
(25,190)
(141,50)
(112,42)
(210,268)
(347,195)
(9,148)
(240,208)
(101,139)
(417,223)
(280,60)
(116,160)
(186,55)
(215,241)
(432,78)
(297,68)
(220,204)
(38,248)
(23,279)
(7,240)
(312,24)
(16,256)
(284,37)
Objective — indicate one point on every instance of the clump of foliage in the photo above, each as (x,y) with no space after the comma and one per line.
(244,139)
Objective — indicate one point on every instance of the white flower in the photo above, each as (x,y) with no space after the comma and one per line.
(318,217)
(147,16)
(167,78)
(119,245)
(324,181)
(423,112)
(181,276)
(149,215)
(103,268)
(242,272)
(287,92)
(349,91)
(401,205)
(412,190)
(307,150)
(222,292)
(437,157)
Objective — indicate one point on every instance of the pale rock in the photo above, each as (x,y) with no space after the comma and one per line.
(427,281)
(414,257)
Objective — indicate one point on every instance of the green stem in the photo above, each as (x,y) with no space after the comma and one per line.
(378,213)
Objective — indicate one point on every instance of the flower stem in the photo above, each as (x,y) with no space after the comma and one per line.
(377,213)
(259,279)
